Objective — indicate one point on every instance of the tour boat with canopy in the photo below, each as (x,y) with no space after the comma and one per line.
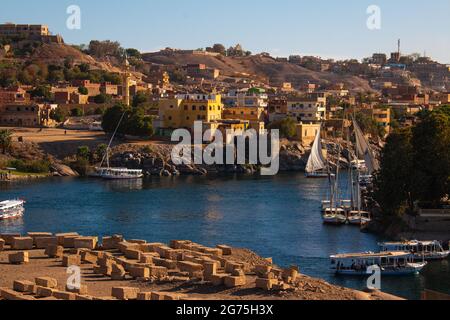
(428,250)
(394,263)
(11,209)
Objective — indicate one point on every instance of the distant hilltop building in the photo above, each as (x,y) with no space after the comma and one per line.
(37,32)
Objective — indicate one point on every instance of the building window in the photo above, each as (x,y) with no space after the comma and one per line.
(194,108)
(170,118)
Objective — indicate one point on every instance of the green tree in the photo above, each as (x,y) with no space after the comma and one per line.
(134,121)
(100,151)
(76,112)
(83,152)
(431,142)
(139,99)
(5,139)
(42,91)
(287,127)
(102,98)
(59,114)
(83,90)
(394,182)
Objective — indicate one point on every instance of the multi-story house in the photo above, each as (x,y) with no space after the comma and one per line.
(311,108)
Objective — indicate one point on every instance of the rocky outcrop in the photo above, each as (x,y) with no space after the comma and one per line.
(62,170)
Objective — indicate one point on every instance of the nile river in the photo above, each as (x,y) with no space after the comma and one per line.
(276,217)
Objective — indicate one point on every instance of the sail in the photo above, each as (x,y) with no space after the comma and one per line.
(363,150)
(316,161)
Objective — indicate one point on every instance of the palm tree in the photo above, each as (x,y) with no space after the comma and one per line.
(5,139)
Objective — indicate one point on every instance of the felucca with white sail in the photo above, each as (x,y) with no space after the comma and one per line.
(317,165)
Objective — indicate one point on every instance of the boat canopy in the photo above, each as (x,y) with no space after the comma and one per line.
(8,204)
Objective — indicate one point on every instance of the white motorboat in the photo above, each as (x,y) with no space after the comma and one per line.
(11,209)
(394,263)
(421,250)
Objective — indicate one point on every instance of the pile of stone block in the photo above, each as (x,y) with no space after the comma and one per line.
(270,278)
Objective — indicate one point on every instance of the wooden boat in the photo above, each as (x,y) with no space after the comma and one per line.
(11,209)
(394,263)
(334,216)
(421,250)
(359,218)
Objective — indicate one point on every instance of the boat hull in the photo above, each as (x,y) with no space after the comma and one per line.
(411,269)
(334,219)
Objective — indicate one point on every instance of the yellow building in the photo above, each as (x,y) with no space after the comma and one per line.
(245,113)
(306,133)
(183,110)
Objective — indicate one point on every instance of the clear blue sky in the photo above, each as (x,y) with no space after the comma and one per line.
(329,28)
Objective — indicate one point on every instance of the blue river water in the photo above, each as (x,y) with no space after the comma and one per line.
(277,217)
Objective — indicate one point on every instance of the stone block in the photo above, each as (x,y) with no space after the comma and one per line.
(86,243)
(147,257)
(60,237)
(35,235)
(218,279)
(210,270)
(43,242)
(81,290)
(151,247)
(89,257)
(290,274)
(158,272)
(22,243)
(262,269)
(9,294)
(63,295)
(8,237)
(69,241)
(178,244)
(144,296)
(133,254)
(157,296)
(281,286)
(125,293)
(190,267)
(140,272)
(2,244)
(124,245)
(230,266)
(46,282)
(138,241)
(19,257)
(84,297)
(118,272)
(43,292)
(226,250)
(265,284)
(103,270)
(24,286)
(233,281)
(54,251)
(71,260)
(169,264)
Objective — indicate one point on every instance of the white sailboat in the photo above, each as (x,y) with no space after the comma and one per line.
(316,166)
(115,173)
(365,152)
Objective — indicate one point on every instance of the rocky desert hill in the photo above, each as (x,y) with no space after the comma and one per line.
(260,67)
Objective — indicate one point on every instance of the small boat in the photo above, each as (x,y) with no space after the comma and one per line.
(118,173)
(394,263)
(317,165)
(421,250)
(335,216)
(11,209)
(359,218)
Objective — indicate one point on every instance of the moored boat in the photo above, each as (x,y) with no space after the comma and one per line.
(394,263)
(359,218)
(421,250)
(11,209)
(317,166)
(335,216)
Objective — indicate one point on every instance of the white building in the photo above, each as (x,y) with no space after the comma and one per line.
(253,97)
(307,109)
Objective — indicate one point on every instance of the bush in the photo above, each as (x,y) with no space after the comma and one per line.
(287,127)
(76,112)
(34,166)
